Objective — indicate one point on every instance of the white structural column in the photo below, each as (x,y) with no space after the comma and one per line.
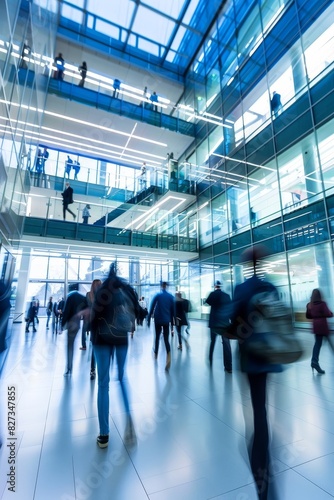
(22,285)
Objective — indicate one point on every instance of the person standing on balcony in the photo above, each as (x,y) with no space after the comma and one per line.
(142,177)
(83,73)
(76,167)
(68,166)
(60,65)
(276,104)
(154,100)
(86,214)
(26,50)
(117,86)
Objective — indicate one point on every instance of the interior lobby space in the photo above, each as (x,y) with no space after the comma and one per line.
(192,426)
(168,139)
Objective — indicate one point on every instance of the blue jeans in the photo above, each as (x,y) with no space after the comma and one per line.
(104,354)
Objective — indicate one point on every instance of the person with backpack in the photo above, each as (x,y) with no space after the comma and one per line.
(242,319)
(317,310)
(114,311)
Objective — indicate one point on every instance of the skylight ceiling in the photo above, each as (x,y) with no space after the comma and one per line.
(167,33)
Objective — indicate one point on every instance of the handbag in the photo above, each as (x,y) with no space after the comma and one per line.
(272,338)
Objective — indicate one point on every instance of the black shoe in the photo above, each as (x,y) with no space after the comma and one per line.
(316,366)
(228,370)
(102,441)
(67,373)
(34,330)
(27,331)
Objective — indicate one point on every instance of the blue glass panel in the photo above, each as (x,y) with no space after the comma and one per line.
(152,26)
(307,235)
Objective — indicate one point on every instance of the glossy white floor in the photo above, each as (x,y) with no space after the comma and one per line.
(190,425)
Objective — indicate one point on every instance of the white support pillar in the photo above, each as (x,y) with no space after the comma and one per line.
(22,286)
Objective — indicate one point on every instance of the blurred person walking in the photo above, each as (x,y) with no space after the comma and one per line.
(163,311)
(114,310)
(220,303)
(75,308)
(256,368)
(86,327)
(49,310)
(180,318)
(317,310)
(31,316)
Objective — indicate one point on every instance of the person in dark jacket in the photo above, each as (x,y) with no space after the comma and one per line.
(107,341)
(276,104)
(318,311)
(181,308)
(256,369)
(60,67)
(86,327)
(83,72)
(5,291)
(75,307)
(31,316)
(67,195)
(163,310)
(218,321)
(49,310)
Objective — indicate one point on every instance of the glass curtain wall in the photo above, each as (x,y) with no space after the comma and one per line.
(259,59)
(21,96)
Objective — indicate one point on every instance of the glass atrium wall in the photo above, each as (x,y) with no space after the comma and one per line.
(270,174)
(20,35)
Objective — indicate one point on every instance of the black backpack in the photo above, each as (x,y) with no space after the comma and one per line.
(114,312)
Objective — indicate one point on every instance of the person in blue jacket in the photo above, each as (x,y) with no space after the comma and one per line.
(256,368)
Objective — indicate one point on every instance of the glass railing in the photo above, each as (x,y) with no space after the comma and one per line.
(103,222)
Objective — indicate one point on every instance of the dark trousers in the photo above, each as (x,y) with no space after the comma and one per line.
(92,362)
(165,331)
(66,209)
(227,352)
(317,347)
(85,219)
(259,457)
(31,320)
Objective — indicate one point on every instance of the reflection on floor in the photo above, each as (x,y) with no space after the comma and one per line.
(190,425)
